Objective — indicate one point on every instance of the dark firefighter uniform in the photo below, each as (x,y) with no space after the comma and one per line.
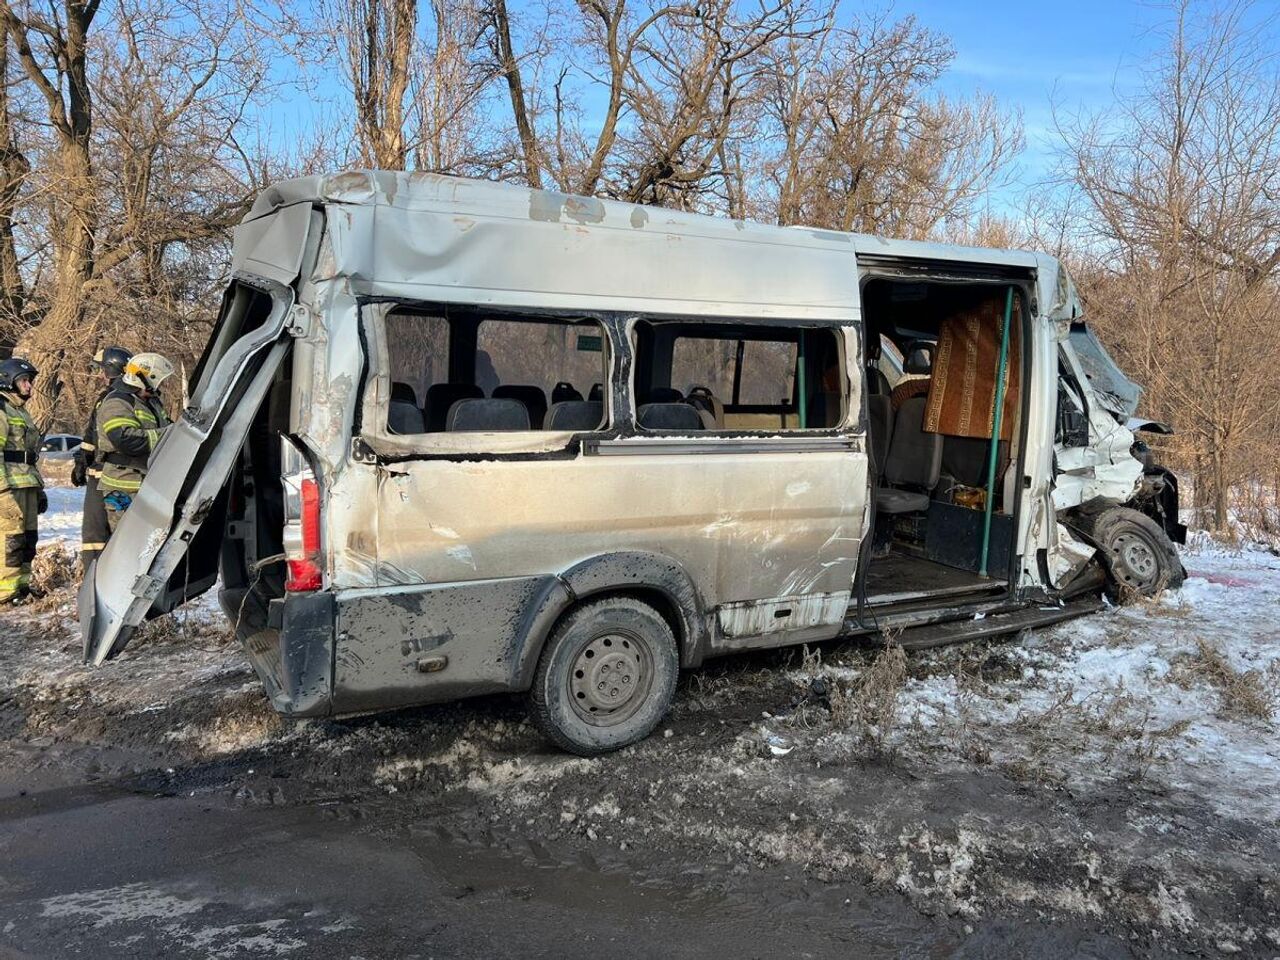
(94,529)
(128,427)
(109,362)
(22,496)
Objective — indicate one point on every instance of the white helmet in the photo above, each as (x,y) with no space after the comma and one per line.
(147,370)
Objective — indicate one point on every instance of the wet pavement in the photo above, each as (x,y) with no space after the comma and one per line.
(104,871)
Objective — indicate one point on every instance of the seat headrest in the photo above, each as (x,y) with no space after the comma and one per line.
(441,397)
(403,392)
(564,390)
(663,395)
(533,398)
(919,358)
(575,415)
(487,416)
(669,416)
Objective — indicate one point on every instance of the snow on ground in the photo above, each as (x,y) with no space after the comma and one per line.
(1182,690)
(62,520)
(1121,770)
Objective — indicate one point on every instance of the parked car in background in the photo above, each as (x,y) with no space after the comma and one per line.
(60,446)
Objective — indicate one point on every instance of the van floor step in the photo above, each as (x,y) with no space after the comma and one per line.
(956,631)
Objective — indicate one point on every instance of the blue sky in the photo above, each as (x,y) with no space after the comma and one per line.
(1033,55)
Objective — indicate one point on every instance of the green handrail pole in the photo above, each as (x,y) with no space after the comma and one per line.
(804,418)
(996,416)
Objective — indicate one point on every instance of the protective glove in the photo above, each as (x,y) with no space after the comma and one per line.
(78,469)
(42,501)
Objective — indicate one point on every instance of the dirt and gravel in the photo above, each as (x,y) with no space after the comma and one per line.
(1107,788)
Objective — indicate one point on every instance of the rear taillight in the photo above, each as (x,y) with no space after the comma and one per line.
(304,571)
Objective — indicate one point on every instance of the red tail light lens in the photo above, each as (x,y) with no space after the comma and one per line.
(304,572)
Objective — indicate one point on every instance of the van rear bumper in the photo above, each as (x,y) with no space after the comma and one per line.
(293,657)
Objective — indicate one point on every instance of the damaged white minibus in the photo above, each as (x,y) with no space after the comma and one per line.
(454,437)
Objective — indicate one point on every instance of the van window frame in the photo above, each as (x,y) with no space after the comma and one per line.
(847,334)
(371,432)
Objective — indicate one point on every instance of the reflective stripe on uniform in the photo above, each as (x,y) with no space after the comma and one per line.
(115,483)
(92,546)
(116,422)
(86,446)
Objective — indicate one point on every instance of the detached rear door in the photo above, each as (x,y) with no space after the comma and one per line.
(141,567)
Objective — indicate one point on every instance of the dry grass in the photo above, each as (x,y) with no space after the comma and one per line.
(871,706)
(55,568)
(1247,694)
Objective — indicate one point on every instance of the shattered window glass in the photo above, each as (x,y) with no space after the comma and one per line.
(1114,390)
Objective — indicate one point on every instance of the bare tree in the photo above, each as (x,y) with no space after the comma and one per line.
(859,142)
(1181,215)
(52,45)
(14,168)
(452,94)
(379,37)
(509,65)
(137,169)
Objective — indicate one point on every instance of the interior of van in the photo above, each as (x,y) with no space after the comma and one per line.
(932,375)
(933,361)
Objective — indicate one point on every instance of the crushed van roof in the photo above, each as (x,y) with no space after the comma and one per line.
(454,237)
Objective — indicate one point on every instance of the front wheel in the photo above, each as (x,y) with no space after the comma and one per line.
(606,676)
(1140,558)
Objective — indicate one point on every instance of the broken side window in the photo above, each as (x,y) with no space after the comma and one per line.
(545,365)
(463,371)
(738,377)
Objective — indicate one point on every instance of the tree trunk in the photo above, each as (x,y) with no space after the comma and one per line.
(515,86)
(13,170)
(1221,489)
(75,214)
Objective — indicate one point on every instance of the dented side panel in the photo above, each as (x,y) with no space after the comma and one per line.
(427,644)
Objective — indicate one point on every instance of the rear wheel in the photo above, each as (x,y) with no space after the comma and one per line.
(606,676)
(1141,560)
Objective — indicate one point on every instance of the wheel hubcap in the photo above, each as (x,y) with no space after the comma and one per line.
(1138,557)
(610,679)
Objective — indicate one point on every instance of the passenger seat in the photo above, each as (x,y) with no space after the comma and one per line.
(487,416)
(533,398)
(965,459)
(669,416)
(403,414)
(440,400)
(914,462)
(575,415)
(563,391)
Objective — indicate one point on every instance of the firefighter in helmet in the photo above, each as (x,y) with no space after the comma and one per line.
(129,423)
(22,496)
(108,363)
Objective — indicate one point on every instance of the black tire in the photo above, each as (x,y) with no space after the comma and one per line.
(606,677)
(1140,558)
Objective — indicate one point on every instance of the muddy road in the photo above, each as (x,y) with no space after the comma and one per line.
(1106,789)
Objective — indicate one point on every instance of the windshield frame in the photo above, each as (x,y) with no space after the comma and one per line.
(1115,391)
